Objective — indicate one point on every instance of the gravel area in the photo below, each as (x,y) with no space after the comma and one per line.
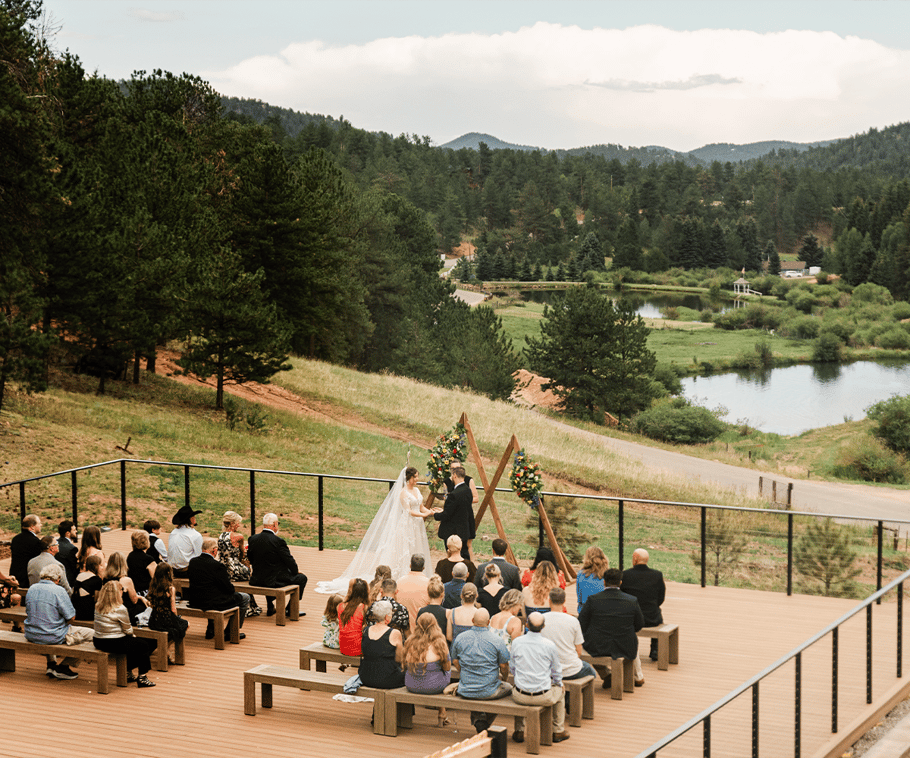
(890,738)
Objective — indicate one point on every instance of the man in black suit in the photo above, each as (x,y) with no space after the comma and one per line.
(647,586)
(210,585)
(273,564)
(609,622)
(66,550)
(511,576)
(25,546)
(457,516)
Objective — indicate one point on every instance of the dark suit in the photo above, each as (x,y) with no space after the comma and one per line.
(211,588)
(511,576)
(23,547)
(457,517)
(66,554)
(609,621)
(273,564)
(647,586)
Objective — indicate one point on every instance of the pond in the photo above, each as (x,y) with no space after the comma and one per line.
(796,398)
(646,304)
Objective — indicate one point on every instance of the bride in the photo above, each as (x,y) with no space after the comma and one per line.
(397,532)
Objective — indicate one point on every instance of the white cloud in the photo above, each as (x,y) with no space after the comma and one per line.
(144,14)
(563,86)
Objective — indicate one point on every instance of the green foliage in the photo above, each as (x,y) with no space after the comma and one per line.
(827,348)
(679,422)
(823,555)
(724,544)
(895,338)
(868,460)
(892,422)
(564,514)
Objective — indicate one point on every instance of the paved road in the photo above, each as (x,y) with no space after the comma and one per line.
(822,497)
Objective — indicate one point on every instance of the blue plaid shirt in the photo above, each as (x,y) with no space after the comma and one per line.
(479,653)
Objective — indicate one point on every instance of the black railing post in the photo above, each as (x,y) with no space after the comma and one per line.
(123,495)
(797,705)
(21,500)
(319,498)
(704,546)
(252,502)
(621,523)
(755,720)
(186,485)
(706,738)
(878,580)
(868,654)
(834,680)
(900,630)
(75,499)
(790,554)
(539,530)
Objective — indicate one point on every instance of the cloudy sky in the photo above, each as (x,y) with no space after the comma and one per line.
(551,74)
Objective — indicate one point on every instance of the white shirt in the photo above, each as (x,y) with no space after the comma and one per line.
(565,632)
(184,544)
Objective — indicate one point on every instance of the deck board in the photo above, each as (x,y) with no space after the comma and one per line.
(726,636)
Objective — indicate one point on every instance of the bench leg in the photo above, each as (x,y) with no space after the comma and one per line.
(280,604)
(616,679)
(161,655)
(179,651)
(266,695)
(390,718)
(587,711)
(304,660)
(379,713)
(249,695)
(532,731)
(663,652)
(574,714)
(295,605)
(628,673)
(234,627)
(101,669)
(218,622)
(674,646)
(7,660)
(120,663)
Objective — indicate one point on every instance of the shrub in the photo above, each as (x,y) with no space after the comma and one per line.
(678,422)
(839,329)
(872,293)
(821,277)
(892,422)
(763,351)
(827,348)
(706,316)
(732,319)
(668,376)
(804,327)
(870,461)
(823,555)
(895,338)
(901,310)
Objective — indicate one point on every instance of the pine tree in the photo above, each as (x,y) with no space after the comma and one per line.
(773,258)
(824,557)
(724,545)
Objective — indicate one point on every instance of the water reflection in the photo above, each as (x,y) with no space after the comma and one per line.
(826,372)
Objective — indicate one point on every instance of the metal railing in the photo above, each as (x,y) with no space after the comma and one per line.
(620,503)
(795,655)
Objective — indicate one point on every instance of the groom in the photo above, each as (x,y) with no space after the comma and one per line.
(457,517)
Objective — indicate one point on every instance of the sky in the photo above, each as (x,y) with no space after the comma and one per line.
(551,74)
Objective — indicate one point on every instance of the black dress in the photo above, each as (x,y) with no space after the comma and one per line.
(137,563)
(84,604)
(378,667)
(163,619)
(491,602)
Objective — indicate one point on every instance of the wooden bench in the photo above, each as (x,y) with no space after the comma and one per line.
(621,673)
(538,718)
(13,642)
(320,654)
(283,597)
(283,676)
(230,616)
(667,636)
(581,699)
(491,742)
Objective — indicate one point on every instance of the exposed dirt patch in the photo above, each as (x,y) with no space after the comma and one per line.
(529,391)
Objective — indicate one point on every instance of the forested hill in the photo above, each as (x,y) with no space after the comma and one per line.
(472,141)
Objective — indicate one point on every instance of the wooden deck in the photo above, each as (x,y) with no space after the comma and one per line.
(727,635)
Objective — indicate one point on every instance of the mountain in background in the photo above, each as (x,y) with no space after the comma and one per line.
(726,151)
(472,141)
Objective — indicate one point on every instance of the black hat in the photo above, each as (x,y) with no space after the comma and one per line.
(184,515)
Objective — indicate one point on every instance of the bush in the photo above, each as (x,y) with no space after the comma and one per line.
(870,461)
(872,293)
(826,348)
(763,351)
(803,327)
(892,422)
(821,277)
(668,376)
(678,422)
(839,329)
(895,338)
(901,310)
(706,316)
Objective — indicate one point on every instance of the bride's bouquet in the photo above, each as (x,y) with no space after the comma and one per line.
(449,447)
(526,479)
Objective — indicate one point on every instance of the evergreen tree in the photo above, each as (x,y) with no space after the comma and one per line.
(824,557)
(773,258)
(717,246)
(748,235)
(811,252)
(628,252)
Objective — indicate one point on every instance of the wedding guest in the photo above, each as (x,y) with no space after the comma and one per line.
(506,624)
(491,593)
(116,571)
(232,555)
(330,622)
(47,556)
(114,634)
(453,589)
(157,548)
(543,554)
(590,579)
(462,618)
(436,593)
(91,545)
(350,618)
(381,650)
(453,557)
(537,593)
(8,595)
(427,667)
(140,566)
(382,573)
(564,631)
(412,590)
(23,547)
(401,619)
(184,543)
(162,598)
(85,590)
(67,551)
(511,577)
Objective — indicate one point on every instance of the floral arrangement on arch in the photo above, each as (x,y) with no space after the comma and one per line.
(449,447)
(526,479)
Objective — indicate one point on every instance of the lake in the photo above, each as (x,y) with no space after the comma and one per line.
(796,398)
(646,304)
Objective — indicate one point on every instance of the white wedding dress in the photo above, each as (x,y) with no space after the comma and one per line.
(393,537)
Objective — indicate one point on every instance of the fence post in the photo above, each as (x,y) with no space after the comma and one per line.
(621,518)
(900,630)
(761,485)
(834,679)
(790,554)
(320,514)
(878,577)
(252,502)
(773,490)
(868,655)
(186,485)
(21,500)
(789,494)
(797,705)
(123,494)
(755,720)
(704,549)
(75,499)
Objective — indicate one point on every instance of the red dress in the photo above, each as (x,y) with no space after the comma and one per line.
(351,634)
(528,575)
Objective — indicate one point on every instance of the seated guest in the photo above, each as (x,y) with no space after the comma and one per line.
(116,570)
(412,590)
(381,650)
(461,619)
(232,554)
(453,588)
(453,556)
(91,545)
(114,634)
(564,631)
(85,590)
(491,593)
(434,607)
(272,562)
(647,586)
(590,579)
(23,547)
(350,618)
(543,554)
(481,658)
(157,549)
(140,566)
(48,615)
(382,573)
(537,674)
(537,593)
(211,588)
(8,595)
(427,668)
(511,576)
(330,622)
(506,623)
(184,543)
(162,598)
(47,556)
(609,622)
(67,551)
(400,617)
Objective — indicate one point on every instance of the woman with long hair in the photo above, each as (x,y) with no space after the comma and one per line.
(114,634)
(590,579)
(163,599)
(543,554)
(91,545)
(382,573)
(506,625)
(350,618)
(116,570)
(427,666)
(537,593)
